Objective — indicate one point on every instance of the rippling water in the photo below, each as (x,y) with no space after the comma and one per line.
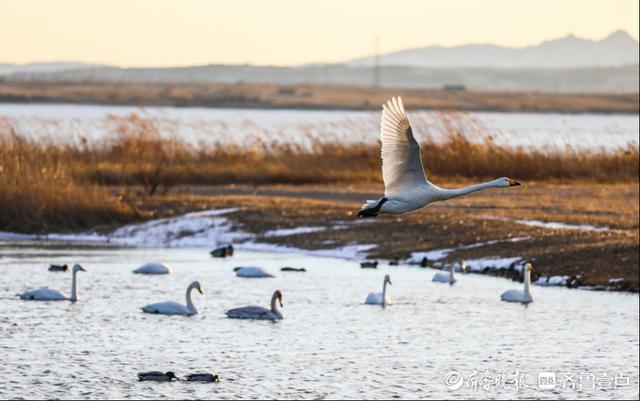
(329,346)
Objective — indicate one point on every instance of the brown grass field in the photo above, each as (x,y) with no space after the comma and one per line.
(135,174)
(310,97)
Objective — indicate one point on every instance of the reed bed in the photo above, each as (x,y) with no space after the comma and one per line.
(138,153)
(39,193)
(47,184)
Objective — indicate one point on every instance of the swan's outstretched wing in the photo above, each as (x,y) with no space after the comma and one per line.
(401,163)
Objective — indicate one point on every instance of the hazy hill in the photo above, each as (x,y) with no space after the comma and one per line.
(596,80)
(35,68)
(617,49)
(565,65)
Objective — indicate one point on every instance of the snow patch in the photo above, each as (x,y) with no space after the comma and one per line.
(350,252)
(204,228)
(439,254)
(9,236)
(436,254)
(552,225)
(285,232)
(548,281)
(479,265)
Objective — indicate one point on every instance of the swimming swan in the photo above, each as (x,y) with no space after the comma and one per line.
(252,272)
(153,268)
(46,294)
(174,308)
(380,298)
(445,277)
(407,189)
(258,312)
(517,295)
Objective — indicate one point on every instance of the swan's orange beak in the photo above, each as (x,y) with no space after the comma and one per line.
(514,183)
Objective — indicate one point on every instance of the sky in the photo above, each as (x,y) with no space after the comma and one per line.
(156,33)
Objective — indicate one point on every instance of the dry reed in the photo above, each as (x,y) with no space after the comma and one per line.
(38,193)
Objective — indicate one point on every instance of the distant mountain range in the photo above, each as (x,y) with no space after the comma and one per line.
(37,68)
(565,65)
(616,50)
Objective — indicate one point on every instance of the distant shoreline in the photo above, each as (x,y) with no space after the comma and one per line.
(309,97)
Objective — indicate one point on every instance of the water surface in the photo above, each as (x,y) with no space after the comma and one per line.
(551,131)
(329,346)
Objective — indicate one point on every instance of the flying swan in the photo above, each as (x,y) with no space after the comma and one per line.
(46,294)
(174,308)
(523,297)
(380,298)
(258,312)
(406,188)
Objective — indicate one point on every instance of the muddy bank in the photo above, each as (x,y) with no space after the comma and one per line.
(576,235)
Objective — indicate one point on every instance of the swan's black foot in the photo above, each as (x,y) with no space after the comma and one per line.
(368,213)
(372,211)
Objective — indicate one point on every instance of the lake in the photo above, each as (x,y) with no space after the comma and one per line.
(435,341)
(550,131)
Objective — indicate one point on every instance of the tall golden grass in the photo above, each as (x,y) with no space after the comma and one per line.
(38,192)
(44,185)
(137,153)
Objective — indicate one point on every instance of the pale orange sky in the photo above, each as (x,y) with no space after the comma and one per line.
(285,32)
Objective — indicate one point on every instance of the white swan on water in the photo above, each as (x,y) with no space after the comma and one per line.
(175,308)
(153,268)
(445,277)
(258,312)
(253,272)
(380,298)
(407,189)
(46,294)
(523,297)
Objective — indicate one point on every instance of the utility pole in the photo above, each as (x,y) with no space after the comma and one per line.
(376,67)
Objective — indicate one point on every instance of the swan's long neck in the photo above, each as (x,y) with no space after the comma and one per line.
(454,193)
(74,287)
(190,305)
(274,304)
(527,282)
(384,293)
(452,270)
